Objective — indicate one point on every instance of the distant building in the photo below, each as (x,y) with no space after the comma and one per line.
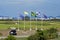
(5,17)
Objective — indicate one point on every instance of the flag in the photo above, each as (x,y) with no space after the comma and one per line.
(44,16)
(25,12)
(37,14)
(33,14)
(57,16)
(22,16)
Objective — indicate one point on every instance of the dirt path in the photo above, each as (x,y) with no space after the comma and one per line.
(21,32)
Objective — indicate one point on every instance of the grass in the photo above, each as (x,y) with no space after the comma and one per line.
(39,24)
(56,38)
(21,39)
(27,39)
(18,39)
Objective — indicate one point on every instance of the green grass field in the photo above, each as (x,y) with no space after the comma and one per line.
(39,24)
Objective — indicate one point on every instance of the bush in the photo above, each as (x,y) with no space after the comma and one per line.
(52,33)
(10,37)
(1,34)
(44,34)
(37,36)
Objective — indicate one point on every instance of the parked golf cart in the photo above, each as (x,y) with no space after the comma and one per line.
(13,31)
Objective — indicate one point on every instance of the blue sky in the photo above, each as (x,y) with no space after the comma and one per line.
(13,8)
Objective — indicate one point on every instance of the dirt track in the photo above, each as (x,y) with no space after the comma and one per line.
(21,32)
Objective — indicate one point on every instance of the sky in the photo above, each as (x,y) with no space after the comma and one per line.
(13,8)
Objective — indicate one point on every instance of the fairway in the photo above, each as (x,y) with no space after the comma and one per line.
(39,24)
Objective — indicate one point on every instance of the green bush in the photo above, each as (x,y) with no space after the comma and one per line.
(10,37)
(44,34)
(39,35)
(52,33)
(1,34)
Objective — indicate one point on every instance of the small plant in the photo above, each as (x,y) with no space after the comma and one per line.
(1,34)
(10,37)
(52,33)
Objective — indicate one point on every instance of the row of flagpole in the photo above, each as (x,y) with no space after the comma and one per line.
(32,14)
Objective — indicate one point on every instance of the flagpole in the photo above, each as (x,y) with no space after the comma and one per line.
(37,14)
(18,23)
(24,21)
(34,15)
(25,14)
(30,23)
(41,22)
(36,23)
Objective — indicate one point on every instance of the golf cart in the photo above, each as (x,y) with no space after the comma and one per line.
(13,31)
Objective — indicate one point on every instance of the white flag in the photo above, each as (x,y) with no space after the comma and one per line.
(25,12)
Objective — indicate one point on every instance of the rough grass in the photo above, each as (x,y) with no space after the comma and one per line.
(39,24)
(18,39)
(21,39)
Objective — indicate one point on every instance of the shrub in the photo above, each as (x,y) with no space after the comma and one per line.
(10,37)
(44,34)
(1,34)
(37,36)
(52,33)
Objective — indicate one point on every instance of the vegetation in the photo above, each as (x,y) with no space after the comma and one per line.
(10,37)
(1,34)
(39,24)
(44,34)
(52,33)
(49,31)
